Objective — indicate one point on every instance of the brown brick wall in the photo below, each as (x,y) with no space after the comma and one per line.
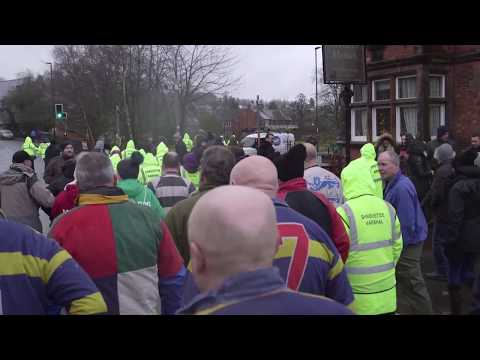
(465,100)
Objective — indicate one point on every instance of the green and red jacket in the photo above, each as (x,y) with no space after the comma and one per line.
(126,250)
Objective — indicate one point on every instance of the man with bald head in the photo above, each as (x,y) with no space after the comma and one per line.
(321,180)
(232,261)
(307,258)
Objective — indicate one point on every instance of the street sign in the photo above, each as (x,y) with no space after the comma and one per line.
(344,64)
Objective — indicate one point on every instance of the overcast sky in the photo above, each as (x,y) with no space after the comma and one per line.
(271,71)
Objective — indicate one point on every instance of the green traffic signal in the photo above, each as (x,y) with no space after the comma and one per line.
(59,115)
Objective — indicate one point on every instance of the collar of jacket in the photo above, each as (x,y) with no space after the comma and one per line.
(23,169)
(279,202)
(293,185)
(102,195)
(393,182)
(206,187)
(242,286)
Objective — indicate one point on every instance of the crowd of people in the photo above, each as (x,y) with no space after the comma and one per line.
(201,228)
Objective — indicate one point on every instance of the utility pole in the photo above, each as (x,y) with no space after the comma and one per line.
(53,97)
(346,96)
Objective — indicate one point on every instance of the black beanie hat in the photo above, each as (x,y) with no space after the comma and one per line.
(442,130)
(129,168)
(291,164)
(21,156)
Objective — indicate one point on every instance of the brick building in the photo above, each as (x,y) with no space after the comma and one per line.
(245,121)
(416,88)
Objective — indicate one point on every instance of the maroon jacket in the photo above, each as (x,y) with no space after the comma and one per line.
(66,200)
(317,207)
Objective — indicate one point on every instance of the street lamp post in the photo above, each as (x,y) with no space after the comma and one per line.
(316,90)
(346,96)
(53,95)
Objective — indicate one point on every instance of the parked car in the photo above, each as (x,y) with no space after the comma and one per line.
(6,134)
(282,142)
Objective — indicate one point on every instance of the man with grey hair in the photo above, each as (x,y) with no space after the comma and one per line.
(321,180)
(124,247)
(437,200)
(232,260)
(215,167)
(412,293)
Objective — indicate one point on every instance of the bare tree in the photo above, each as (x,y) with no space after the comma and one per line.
(196,71)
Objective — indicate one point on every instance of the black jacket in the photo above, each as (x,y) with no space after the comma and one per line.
(437,197)
(52,151)
(419,168)
(266,149)
(181,149)
(464,215)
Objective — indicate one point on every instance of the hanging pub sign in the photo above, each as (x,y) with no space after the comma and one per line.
(344,64)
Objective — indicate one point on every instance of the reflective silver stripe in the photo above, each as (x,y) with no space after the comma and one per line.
(370,269)
(393,217)
(372,245)
(353,225)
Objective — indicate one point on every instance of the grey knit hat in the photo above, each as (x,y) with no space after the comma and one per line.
(443,153)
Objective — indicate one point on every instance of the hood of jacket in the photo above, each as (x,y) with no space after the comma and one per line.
(149,159)
(367,151)
(28,142)
(186,138)
(162,149)
(386,136)
(115,149)
(15,174)
(357,180)
(131,187)
(130,145)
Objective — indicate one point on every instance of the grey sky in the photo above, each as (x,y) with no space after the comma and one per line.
(271,71)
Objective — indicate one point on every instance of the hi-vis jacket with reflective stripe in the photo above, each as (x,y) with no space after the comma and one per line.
(150,169)
(367,161)
(193,177)
(128,150)
(375,243)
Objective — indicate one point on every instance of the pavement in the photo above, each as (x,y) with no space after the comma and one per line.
(437,289)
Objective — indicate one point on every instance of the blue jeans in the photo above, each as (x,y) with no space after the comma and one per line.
(439,239)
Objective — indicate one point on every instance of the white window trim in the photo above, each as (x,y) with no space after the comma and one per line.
(352,126)
(442,117)
(397,88)
(353,97)
(374,121)
(442,87)
(373,89)
(397,120)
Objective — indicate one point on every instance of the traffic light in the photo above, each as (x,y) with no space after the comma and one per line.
(59,113)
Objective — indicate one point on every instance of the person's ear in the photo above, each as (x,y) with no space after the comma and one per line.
(197,259)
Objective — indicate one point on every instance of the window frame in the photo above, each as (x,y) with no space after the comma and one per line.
(352,87)
(352,125)
(398,127)
(374,120)
(442,87)
(442,116)
(373,89)
(397,88)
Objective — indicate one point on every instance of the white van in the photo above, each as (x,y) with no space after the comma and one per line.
(282,142)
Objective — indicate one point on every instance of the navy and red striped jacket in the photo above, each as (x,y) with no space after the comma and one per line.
(307,259)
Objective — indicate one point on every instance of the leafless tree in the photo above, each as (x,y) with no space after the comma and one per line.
(196,71)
